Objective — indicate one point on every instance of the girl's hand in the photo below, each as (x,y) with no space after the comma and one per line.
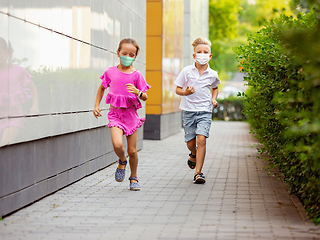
(97,112)
(132,89)
(34,110)
(189,90)
(215,103)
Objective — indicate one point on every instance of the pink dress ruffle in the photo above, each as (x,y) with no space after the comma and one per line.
(126,119)
(116,81)
(122,101)
(131,131)
(146,88)
(13,82)
(13,99)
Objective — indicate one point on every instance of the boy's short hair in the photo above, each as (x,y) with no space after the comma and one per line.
(200,40)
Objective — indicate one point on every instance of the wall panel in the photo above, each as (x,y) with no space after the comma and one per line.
(51,56)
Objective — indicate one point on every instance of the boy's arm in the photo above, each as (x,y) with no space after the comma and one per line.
(189,90)
(215,92)
(97,110)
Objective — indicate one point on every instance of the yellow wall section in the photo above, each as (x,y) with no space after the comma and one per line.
(154,53)
(155,92)
(154,18)
(154,56)
(153,109)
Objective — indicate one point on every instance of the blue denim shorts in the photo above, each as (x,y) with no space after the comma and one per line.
(196,123)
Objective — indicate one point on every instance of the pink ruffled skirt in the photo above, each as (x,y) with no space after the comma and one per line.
(14,121)
(126,119)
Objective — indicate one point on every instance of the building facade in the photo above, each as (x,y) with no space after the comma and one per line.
(51,56)
(172,25)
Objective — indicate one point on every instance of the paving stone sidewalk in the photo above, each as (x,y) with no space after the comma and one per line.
(238,201)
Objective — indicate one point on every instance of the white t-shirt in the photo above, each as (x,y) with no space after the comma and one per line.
(201,100)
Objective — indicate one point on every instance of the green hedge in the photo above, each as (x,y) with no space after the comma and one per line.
(283,101)
(229,109)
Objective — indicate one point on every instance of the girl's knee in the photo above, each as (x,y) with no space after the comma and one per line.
(118,146)
(132,152)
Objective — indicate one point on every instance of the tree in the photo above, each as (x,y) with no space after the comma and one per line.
(229,23)
(223,22)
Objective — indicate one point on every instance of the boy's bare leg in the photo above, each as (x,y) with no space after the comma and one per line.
(116,137)
(133,155)
(192,146)
(201,152)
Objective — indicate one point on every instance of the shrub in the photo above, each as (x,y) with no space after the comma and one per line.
(229,109)
(283,101)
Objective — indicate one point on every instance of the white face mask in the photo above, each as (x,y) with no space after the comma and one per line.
(202,58)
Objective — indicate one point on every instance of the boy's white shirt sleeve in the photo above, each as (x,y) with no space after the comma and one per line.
(180,80)
(216,81)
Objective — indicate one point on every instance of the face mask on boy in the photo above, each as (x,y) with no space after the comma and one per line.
(202,58)
(126,61)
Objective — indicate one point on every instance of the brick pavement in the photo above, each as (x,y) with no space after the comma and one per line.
(238,201)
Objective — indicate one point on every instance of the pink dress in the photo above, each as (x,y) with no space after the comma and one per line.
(12,94)
(124,115)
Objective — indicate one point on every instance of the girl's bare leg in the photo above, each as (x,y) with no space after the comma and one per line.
(9,135)
(116,137)
(201,152)
(133,155)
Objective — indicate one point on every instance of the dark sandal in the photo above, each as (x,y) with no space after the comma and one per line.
(120,173)
(134,186)
(199,178)
(191,164)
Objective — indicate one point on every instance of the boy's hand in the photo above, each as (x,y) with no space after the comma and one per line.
(132,89)
(215,103)
(189,90)
(97,112)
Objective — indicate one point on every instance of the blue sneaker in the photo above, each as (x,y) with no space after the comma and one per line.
(134,186)
(120,173)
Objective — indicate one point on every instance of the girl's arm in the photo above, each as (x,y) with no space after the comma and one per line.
(97,110)
(132,89)
(189,90)
(144,96)
(215,92)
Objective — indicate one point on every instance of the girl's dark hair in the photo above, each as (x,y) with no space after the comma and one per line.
(6,47)
(130,41)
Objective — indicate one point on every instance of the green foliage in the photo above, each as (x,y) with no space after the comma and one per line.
(223,21)
(230,21)
(57,88)
(283,100)
(230,109)
(306,5)
(259,12)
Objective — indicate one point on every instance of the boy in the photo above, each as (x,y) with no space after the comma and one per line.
(194,83)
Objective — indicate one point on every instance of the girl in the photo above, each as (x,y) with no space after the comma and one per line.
(14,80)
(126,86)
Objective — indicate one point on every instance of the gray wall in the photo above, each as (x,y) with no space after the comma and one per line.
(50,138)
(32,170)
(160,126)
